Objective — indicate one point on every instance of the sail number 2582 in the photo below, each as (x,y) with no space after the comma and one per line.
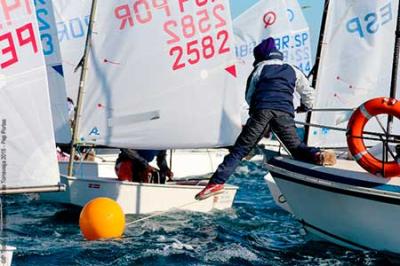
(195,32)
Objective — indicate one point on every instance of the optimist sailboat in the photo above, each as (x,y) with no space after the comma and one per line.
(159,75)
(72,20)
(27,144)
(345,204)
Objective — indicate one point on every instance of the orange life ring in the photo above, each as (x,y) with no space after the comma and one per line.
(356,143)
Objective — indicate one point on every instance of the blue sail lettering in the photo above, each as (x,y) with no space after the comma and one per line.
(386,13)
(372,26)
(95,131)
(371,23)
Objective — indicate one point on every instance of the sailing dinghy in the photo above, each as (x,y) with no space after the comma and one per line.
(72,19)
(345,204)
(159,75)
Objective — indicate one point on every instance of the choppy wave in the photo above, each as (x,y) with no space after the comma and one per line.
(254,232)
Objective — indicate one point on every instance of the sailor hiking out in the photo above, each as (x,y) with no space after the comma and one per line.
(269,93)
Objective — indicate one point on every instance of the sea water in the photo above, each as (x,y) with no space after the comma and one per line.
(254,232)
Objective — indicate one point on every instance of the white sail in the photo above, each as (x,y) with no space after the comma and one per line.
(300,40)
(267,18)
(51,50)
(283,20)
(356,63)
(72,18)
(27,148)
(161,75)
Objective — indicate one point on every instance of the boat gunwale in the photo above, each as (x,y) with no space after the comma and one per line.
(136,184)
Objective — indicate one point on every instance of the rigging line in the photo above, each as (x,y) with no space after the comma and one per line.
(378,138)
(381,126)
(386,149)
(283,146)
(161,213)
(210,158)
(345,130)
(332,110)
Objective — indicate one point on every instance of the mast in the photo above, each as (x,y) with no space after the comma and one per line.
(316,66)
(393,84)
(81,90)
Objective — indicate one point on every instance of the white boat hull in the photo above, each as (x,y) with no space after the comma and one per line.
(348,207)
(136,198)
(98,179)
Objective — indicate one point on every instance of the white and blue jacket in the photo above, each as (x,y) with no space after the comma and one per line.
(273,82)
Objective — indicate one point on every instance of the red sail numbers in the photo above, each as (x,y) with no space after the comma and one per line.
(195,30)
(139,12)
(8,10)
(13,36)
(199,35)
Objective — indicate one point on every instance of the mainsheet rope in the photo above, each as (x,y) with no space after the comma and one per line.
(161,213)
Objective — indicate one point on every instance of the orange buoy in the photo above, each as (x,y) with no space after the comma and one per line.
(102,218)
(356,143)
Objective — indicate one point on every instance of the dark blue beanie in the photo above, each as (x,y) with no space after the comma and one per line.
(263,50)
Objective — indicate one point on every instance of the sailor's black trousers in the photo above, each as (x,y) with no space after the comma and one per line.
(260,122)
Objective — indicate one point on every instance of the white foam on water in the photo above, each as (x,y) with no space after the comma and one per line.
(162,239)
(180,246)
(242,170)
(234,251)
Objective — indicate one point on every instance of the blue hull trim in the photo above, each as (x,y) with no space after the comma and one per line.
(331,177)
